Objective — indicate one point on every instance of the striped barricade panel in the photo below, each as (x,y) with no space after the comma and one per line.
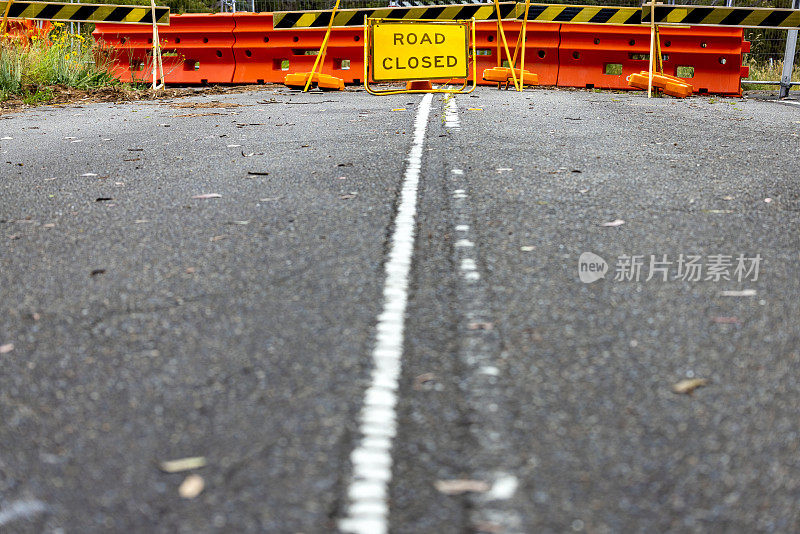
(581,14)
(743,17)
(65,12)
(355,17)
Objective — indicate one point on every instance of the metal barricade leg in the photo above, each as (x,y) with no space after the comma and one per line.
(788,58)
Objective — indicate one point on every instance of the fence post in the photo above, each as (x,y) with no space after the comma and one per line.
(788,58)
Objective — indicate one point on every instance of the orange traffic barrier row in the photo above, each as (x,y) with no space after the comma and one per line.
(243,48)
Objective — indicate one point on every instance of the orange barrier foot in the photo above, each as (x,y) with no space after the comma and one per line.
(419,85)
(297,80)
(503,74)
(670,85)
(326,82)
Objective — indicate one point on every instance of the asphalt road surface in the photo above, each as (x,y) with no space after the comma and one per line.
(368,314)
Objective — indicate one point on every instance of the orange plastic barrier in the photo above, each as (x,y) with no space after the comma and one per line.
(264,55)
(25,29)
(196,48)
(602,56)
(541,50)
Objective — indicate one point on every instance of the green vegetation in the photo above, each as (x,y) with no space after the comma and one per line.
(28,66)
(763,70)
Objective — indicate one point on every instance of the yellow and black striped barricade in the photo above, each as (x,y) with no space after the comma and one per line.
(742,17)
(285,20)
(414,50)
(64,12)
(746,17)
(567,14)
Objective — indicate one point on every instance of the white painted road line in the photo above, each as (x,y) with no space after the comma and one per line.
(451,119)
(21,510)
(368,509)
(480,354)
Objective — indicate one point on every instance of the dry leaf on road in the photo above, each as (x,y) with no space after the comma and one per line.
(726,320)
(191,487)
(206,105)
(689,385)
(423,380)
(459,486)
(183,464)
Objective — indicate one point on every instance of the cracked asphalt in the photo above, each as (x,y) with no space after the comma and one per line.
(203,277)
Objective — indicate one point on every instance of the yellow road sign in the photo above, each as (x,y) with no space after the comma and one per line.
(419,51)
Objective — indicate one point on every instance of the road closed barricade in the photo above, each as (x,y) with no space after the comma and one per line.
(196,49)
(419,51)
(599,56)
(245,48)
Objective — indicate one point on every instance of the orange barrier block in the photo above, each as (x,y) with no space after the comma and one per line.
(670,85)
(604,56)
(541,50)
(264,55)
(196,48)
(25,29)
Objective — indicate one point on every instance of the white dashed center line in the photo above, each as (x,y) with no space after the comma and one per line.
(368,508)
(479,352)
(451,119)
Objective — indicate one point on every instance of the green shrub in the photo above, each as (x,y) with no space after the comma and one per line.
(59,58)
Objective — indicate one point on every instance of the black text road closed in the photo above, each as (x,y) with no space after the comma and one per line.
(419,51)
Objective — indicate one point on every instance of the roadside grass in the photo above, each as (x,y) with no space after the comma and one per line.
(763,70)
(30,65)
